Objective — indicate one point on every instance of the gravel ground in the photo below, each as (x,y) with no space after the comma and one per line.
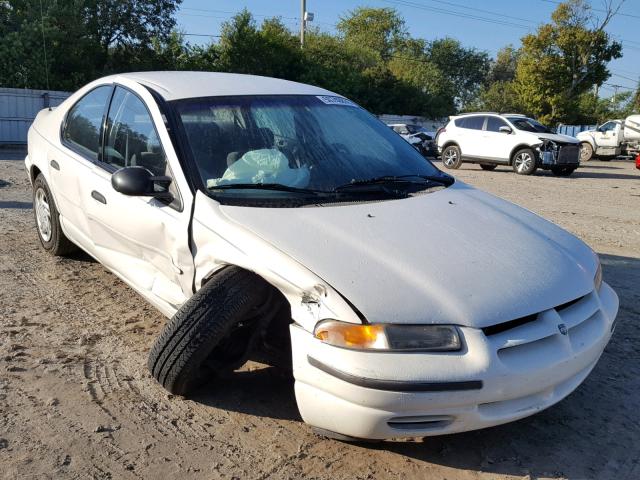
(76,400)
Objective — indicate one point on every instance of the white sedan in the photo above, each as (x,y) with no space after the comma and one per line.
(275,220)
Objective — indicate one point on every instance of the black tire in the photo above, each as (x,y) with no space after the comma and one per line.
(452,157)
(563,171)
(212,332)
(50,232)
(487,166)
(586,152)
(525,162)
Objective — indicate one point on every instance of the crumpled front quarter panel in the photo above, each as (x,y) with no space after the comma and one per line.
(220,241)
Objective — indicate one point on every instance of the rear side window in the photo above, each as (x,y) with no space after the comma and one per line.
(472,123)
(131,138)
(84,122)
(494,124)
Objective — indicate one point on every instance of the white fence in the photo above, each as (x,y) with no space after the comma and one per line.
(18,108)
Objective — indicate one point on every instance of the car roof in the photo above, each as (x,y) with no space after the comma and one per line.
(181,85)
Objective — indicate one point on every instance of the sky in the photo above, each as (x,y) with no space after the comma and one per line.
(487,25)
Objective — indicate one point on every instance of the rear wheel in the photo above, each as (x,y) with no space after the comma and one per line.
(50,232)
(487,166)
(586,152)
(524,162)
(451,157)
(213,332)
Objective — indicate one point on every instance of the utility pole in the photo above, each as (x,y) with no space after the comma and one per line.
(303,10)
(304,18)
(615,93)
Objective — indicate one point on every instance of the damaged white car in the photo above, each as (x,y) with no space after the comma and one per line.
(275,220)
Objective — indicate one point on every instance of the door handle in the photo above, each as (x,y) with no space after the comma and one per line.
(99,197)
(54,164)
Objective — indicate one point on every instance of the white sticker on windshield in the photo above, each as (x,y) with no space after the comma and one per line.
(331,100)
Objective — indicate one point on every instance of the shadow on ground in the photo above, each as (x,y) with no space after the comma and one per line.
(590,434)
(13,204)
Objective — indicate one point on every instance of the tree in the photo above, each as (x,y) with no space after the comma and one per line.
(380,29)
(503,68)
(84,39)
(564,59)
(270,50)
(464,68)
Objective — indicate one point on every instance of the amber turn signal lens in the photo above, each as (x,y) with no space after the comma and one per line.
(389,337)
(351,335)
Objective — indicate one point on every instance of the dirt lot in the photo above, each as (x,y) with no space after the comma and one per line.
(76,400)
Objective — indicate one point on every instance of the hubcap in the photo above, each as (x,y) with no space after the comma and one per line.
(450,157)
(523,162)
(43,215)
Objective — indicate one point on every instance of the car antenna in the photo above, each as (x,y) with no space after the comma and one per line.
(44,49)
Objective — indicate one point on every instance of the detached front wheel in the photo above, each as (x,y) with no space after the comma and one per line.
(524,162)
(563,171)
(213,332)
(488,166)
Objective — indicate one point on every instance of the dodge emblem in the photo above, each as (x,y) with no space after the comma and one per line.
(563,329)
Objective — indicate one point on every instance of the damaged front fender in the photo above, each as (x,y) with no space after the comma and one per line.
(220,241)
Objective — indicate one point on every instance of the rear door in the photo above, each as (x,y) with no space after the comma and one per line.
(71,163)
(469,135)
(143,239)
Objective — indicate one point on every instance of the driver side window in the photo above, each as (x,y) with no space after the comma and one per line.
(131,138)
(607,127)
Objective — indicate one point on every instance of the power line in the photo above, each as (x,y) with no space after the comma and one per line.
(465,7)
(596,9)
(626,78)
(443,11)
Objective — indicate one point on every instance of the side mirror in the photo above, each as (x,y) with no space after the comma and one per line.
(505,129)
(140,182)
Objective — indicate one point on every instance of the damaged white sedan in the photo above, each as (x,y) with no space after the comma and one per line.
(275,220)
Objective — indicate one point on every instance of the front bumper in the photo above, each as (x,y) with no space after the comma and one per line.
(495,378)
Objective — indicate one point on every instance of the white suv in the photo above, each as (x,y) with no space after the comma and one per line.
(493,139)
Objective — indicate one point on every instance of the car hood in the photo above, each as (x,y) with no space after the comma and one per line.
(456,256)
(585,134)
(556,137)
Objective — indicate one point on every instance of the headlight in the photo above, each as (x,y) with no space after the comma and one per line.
(389,337)
(597,280)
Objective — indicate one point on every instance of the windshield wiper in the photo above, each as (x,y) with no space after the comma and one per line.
(387,180)
(266,186)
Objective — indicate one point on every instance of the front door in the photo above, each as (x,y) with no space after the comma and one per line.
(143,239)
(607,135)
(496,145)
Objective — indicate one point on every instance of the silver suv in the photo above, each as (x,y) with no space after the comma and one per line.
(492,139)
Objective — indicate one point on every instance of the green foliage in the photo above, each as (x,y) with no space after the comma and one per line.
(380,29)
(563,60)
(84,39)
(372,59)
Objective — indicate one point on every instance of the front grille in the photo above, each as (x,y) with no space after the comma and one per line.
(503,327)
(552,334)
(569,154)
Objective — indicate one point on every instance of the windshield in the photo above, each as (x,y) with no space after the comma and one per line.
(528,125)
(303,142)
